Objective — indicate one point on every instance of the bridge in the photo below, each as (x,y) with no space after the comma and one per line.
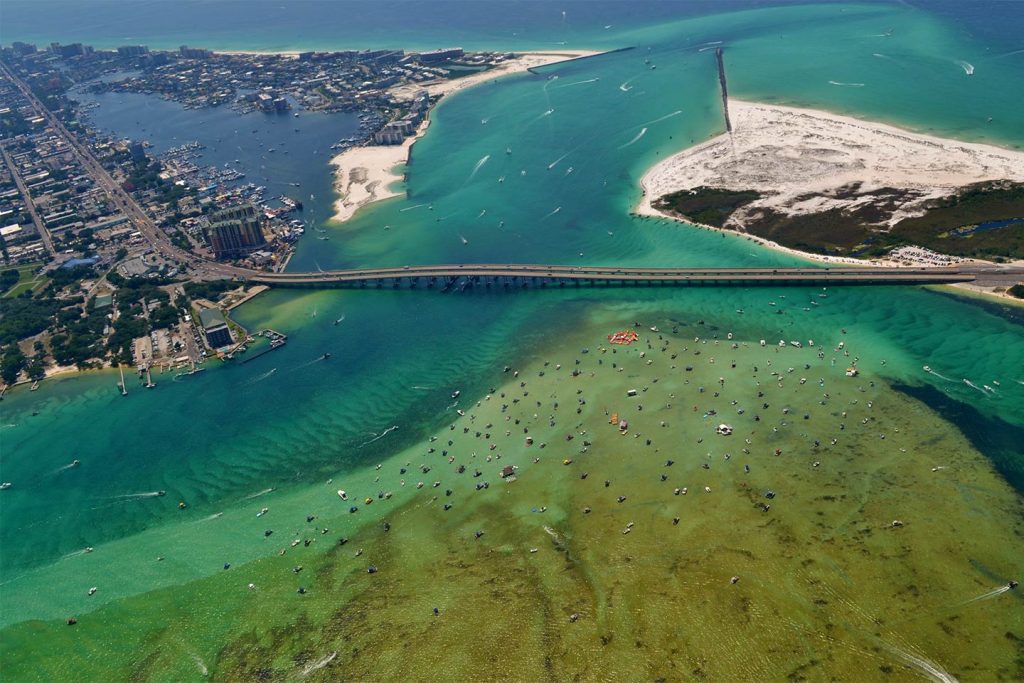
(507,276)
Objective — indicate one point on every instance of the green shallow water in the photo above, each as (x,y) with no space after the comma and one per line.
(827,586)
(221,440)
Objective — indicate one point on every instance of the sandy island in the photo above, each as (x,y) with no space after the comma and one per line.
(367,174)
(799,158)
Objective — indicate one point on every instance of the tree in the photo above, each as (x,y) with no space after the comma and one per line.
(11,364)
(8,279)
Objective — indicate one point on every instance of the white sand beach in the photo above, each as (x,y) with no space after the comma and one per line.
(799,158)
(368,174)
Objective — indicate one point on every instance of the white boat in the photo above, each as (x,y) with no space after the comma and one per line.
(92,591)
(6,485)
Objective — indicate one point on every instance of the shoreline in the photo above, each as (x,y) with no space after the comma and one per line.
(373,166)
(702,165)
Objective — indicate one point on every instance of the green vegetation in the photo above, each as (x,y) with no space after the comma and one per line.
(9,278)
(941,228)
(209,290)
(12,363)
(29,280)
(1016,291)
(24,316)
(948,226)
(706,205)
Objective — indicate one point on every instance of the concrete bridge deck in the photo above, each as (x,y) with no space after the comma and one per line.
(446,277)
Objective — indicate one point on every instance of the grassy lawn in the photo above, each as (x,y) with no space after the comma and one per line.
(28,280)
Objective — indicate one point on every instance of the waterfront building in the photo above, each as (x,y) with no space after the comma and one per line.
(235,232)
(132,50)
(138,151)
(194,52)
(393,133)
(438,56)
(215,328)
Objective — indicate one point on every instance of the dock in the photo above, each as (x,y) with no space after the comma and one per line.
(277,340)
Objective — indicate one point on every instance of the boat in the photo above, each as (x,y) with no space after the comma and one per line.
(92,591)
(456,393)
(325,356)
(6,485)
(927,368)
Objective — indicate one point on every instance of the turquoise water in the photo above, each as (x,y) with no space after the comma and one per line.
(286,421)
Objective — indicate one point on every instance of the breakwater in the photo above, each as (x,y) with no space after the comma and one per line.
(725,88)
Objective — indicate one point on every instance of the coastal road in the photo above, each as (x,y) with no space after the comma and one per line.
(30,204)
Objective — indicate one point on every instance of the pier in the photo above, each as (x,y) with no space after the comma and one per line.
(450,278)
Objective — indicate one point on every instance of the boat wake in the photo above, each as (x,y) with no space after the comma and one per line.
(410,208)
(260,378)
(479,165)
(847,85)
(377,437)
(421,388)
(76,553)
(985,596)
(975,386)
(932,372)
(137,496)
(556,161)
(308,363)
(625,86)
(589,80)
(552,213)
(966,66)
(643,132)
(259,493)
(319,664)
(677,112)
(925,666)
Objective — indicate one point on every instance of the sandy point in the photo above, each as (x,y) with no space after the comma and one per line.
(371,173)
